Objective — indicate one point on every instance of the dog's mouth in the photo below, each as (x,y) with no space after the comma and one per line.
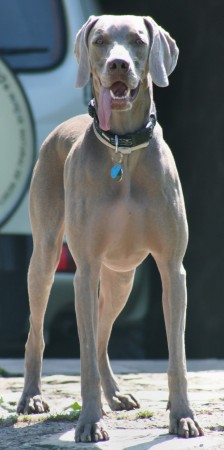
(120,93)
(117,97)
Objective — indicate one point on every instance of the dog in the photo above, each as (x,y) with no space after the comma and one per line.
(108,181)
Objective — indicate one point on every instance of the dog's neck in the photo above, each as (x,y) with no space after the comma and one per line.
(123,143)
(134,119)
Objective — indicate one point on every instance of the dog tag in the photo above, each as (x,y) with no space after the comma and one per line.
(116,172)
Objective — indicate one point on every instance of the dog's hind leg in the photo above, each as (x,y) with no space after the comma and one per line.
(115,288)
(47,219)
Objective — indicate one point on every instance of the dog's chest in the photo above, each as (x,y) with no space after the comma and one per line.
(120,220)
(122,227)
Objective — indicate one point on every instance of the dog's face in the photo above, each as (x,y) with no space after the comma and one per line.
(123,53)
(118,56)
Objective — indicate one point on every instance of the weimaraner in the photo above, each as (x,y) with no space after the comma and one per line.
(110,184)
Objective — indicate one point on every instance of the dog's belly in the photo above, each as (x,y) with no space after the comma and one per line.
(124,263)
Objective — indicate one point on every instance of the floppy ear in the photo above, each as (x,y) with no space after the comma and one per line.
(163,53)
(81,52)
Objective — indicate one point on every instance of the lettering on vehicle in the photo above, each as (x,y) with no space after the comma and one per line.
(17,142)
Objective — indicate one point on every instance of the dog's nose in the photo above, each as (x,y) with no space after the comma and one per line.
(118,65)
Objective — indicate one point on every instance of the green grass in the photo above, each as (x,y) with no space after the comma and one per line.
(5,374)
(72,412)
(133,415)
(145,414)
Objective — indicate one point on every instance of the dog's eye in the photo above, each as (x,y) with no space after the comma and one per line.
(139,41)
(99,40)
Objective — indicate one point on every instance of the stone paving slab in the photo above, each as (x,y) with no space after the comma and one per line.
(129,430)
(119,440)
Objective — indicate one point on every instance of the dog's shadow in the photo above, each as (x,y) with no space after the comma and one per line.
(167,442)
(160,442)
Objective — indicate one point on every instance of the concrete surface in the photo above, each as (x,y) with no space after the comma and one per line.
(128,430)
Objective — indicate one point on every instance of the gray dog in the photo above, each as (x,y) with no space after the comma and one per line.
(110,184)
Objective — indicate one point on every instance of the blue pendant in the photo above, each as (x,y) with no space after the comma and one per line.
(117,172)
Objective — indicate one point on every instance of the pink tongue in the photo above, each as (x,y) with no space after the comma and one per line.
(104,108)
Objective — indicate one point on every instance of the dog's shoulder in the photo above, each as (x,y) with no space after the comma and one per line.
(65,135)
(72,128)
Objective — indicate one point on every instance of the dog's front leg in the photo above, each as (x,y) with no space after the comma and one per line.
(90,426)
(47,219)
(182,417)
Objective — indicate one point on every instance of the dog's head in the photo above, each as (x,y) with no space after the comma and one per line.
(121,52)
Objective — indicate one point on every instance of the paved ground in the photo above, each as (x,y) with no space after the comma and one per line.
(140,429)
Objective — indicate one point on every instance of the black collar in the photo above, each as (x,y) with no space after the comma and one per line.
(139,138)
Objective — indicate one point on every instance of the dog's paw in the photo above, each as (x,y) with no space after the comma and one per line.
(32,405)
(91,432)
(185,427)
(121,402)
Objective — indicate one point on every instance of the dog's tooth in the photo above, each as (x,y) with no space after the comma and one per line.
(123,97)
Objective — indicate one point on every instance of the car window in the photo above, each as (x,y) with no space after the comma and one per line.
(32,33)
